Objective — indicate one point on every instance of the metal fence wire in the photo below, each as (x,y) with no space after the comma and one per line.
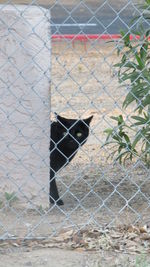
(79,70)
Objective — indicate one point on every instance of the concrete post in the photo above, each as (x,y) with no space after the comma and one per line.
(25,56)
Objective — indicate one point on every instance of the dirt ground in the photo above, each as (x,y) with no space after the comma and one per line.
(59,258)
(95,191)
(67,258)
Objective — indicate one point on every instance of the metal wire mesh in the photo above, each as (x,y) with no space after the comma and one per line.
(95,190)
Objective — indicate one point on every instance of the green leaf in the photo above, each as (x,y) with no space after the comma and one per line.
(141,65)
(108,131)
(142,120)
(120,156)
(117,138)
(114,118)
(130,65)
(126,38)
(133,76)
(146,101)
(129,99)
(119,119)
(136,140)
(143,52)
(126,137)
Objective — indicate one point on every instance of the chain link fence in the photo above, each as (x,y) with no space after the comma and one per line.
(96,190)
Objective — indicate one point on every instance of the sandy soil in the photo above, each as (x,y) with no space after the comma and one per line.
(67,258)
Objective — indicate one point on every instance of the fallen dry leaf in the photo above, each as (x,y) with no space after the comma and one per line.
(143,229)
(132,236)
(145,237)
(129,239)
(64,236)
(133,229)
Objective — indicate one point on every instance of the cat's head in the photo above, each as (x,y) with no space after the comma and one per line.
(73,133)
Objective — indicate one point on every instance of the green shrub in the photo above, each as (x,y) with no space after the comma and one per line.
(132,138)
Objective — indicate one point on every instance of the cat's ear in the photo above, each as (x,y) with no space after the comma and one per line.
(55,115)
(88,120)
(60,119)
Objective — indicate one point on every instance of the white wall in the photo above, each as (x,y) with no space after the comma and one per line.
(24,99)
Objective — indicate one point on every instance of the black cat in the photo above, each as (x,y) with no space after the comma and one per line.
(67,135)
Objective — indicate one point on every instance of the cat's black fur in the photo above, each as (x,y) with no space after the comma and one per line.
(67,135)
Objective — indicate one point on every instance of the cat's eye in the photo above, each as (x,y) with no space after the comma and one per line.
(78,134)
(64,133)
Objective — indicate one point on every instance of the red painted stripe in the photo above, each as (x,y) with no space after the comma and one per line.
(87,37)
(83,37)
